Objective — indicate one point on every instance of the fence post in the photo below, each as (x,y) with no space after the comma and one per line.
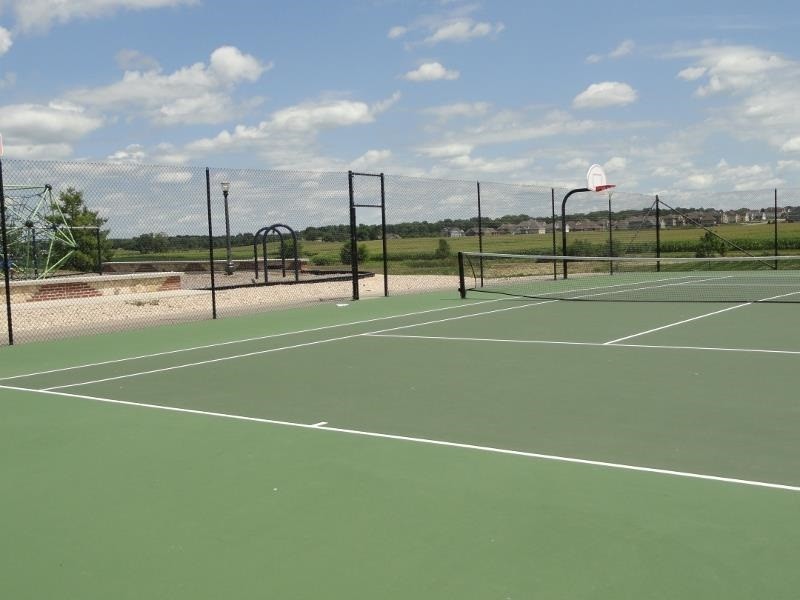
(480,230)
(776,227)
(383,236)
(211,248)
(610,239)
(6,257)
(658,233)
(99,251)
(353,237)
(553,228)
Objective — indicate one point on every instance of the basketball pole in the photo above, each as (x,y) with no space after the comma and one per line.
(564,226)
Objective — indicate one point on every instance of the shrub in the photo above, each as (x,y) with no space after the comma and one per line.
(345,253)
(443,251)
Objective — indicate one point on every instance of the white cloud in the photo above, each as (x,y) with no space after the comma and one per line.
(730,68)
(447,150)
(313,116)
(5,40)
(574,164)
(33,130)
(229,65)
(764,87)
(623,49)
(371,159)
(42,14)
(397,32)
(459,109)
(45,124)
(789,165)
(206,108)
(791,145)
(431,72)
(134,60)
(288,137)
(615,163)
(470,164)
(198,93)
(8,80)
(606,93)
(133,154)
(692,73)
(463,30)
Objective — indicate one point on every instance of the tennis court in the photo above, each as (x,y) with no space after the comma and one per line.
(421,446)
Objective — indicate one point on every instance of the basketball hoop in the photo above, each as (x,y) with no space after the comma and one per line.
(596,179)
(595,182)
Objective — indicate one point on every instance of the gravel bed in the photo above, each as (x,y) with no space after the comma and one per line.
(62,318)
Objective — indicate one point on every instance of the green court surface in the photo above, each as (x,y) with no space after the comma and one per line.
(410,447)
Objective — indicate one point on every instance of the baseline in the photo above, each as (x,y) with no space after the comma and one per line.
(419,440)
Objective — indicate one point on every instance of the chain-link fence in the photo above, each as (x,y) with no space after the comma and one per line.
(94,247)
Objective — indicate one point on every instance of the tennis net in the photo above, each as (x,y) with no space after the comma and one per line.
(631,279)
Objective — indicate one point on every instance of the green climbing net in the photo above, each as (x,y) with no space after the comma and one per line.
(39,238)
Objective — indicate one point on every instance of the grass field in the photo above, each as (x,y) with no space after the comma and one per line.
(417,255)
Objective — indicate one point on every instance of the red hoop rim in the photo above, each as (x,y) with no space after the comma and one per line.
(603,188)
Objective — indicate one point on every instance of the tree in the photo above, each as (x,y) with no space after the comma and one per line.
(150,243)
(78,217)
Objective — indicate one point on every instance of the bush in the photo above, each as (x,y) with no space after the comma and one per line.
(711,245)
(345,253)
(443,251)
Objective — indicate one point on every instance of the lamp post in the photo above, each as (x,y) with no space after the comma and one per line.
(226,186)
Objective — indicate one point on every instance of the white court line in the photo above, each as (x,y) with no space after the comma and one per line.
(673,283)
(589,344)
(244,340)
(418,440)
(294,346)
(676,323)
(716,312)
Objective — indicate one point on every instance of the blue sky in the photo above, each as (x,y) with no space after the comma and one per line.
(677,95)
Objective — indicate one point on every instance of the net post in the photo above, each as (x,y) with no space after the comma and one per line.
(462,286)
(353,237)
(658,233)
(6,257)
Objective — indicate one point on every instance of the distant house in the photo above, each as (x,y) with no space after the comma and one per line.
(452,232)
(473,231)
(531,226)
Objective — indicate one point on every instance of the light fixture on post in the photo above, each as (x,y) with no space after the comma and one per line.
(229,268)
